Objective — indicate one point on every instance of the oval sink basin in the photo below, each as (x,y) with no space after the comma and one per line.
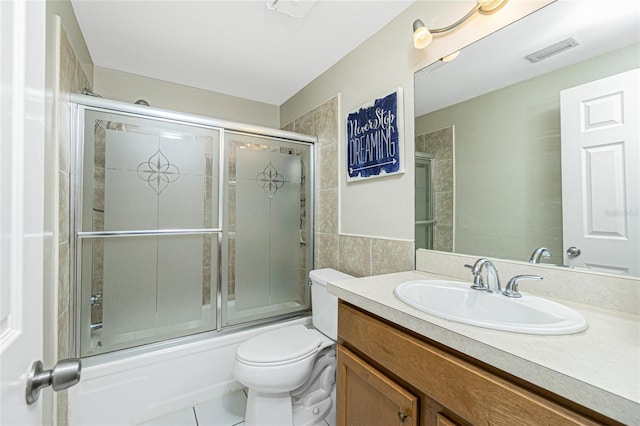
(456,301)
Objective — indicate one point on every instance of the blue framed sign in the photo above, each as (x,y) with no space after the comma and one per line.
(373,138)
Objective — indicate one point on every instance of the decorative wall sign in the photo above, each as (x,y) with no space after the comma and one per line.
(373,138)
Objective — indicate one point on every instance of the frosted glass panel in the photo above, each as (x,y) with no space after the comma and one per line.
(268,214)
(268,256)
(144,174)
(151,175)
(153,288)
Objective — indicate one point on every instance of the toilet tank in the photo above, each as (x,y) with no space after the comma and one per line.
(324,305)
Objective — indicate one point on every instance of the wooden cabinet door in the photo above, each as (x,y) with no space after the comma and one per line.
(367,397)
(443,421)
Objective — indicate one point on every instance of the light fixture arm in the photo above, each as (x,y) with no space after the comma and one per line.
(422,36)
(458,22)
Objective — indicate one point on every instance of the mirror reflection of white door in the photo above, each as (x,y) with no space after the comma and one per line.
(21,205)
(601,174)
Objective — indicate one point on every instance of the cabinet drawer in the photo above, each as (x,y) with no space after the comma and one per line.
(476,395)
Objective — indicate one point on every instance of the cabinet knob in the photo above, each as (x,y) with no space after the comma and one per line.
(401,416)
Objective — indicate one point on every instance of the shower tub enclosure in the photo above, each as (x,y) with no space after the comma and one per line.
(186,229)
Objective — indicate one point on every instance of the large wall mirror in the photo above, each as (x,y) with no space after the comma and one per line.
(489,174)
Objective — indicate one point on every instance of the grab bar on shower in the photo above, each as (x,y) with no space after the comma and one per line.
(148,232)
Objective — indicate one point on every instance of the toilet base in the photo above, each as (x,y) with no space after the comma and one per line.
(268,409)
(278,410)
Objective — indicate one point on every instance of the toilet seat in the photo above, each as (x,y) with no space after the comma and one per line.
(281,346)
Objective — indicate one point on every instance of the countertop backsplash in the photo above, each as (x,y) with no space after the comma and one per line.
(618,293)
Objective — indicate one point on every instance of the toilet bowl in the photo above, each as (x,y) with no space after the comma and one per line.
(290,371)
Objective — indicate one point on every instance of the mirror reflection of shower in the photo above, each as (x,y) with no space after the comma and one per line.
(174,237)
(424,214)
(434,200)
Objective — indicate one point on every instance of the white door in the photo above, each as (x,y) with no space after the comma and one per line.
(601,174)
(22,25)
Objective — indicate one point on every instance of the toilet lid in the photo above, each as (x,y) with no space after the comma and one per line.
(282,344)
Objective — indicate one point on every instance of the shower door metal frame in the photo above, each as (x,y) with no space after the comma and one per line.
(81,103)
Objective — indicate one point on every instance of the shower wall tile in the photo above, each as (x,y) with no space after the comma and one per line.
(420,146)
(355,255)
(327,247)
(62,410)
(63,276)
(389,256)
(328,176)
(67,66)
(64,136)
(63,206)
(327,208)
(64,348)
(99,151)
(305,124)
(443,238)
(326,121)
(443,180)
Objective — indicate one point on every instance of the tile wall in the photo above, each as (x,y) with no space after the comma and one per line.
(356,255)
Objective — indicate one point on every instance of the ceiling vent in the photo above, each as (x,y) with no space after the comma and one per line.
(294,8)
(554,49)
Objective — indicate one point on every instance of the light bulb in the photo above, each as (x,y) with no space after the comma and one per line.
(421,35)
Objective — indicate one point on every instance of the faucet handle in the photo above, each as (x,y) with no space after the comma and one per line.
(512,285)
(478,283)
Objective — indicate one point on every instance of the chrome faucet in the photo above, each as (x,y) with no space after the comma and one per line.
(493,281)
(512,285)
(539,253)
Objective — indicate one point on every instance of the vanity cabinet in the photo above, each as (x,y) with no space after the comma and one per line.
(387,375)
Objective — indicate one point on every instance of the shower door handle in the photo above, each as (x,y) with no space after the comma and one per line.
(64,374)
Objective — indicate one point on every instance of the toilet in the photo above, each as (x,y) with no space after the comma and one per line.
(290,371)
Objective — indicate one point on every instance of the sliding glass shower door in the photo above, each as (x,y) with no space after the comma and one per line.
(149,230)
(268,247)
(184,226)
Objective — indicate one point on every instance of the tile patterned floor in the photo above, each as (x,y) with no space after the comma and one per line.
(226,410)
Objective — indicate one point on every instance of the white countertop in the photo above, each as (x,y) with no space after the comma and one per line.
(598,368)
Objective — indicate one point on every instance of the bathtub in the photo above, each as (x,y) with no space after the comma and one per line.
(127,390)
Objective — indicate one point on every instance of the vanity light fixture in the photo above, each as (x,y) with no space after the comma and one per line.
(422,36)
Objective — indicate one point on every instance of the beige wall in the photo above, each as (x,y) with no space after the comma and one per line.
(520,207)
(383,208)
(121,86)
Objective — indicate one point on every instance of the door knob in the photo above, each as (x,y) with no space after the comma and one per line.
(573,251)
(64,374)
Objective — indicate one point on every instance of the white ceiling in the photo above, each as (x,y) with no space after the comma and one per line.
(239,47)
(499,59)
